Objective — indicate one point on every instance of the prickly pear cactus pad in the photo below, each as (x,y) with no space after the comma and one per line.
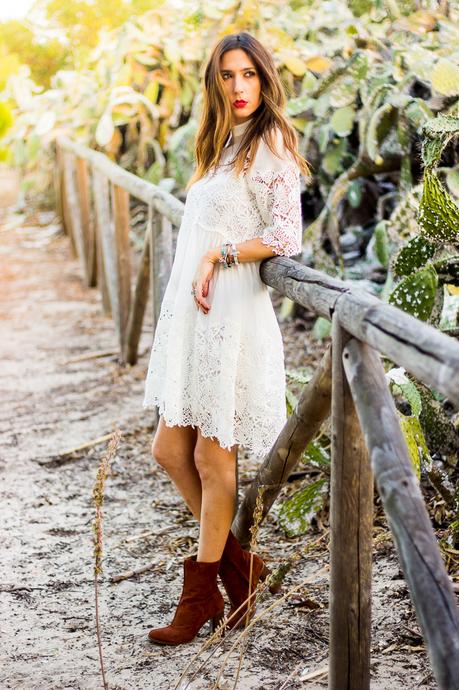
(413,255)
(416,293)
(438,214)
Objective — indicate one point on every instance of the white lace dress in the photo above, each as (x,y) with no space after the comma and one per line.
(224,371)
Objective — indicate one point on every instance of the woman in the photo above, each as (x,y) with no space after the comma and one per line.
(216,370)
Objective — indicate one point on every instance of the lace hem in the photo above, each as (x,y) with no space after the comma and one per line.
(258,448)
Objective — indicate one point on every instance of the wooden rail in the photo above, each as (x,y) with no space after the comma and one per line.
(349,383)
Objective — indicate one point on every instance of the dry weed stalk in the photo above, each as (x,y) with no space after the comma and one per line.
(257,518)
(262,615)
(218,634)
(98,498)
(259,594)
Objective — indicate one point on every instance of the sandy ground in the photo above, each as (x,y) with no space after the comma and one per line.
(50,404)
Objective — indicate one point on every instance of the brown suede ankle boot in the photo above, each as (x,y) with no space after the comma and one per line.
(201,600)
(235,573)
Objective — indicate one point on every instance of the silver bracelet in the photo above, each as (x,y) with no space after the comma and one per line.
(224,254)
(234,254)
(228,249)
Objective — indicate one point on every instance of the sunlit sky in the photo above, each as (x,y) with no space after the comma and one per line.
(14,9)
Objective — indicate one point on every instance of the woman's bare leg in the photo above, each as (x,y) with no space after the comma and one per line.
(173,448)
(217,471)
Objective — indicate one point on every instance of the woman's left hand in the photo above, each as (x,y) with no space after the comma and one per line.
(202,278)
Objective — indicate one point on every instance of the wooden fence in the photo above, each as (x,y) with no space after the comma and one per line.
(93,200)
(349,383)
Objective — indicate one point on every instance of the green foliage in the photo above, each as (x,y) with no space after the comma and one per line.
(297,512)
(81,21)
(440,432)
(416,293)
(438,214)
(321,328)
(417,426)
(9,64)
(445,77)
(181,145)
(43,56)
(413,255)
(354,193)
(415,441)
(6,119)
(342,120)
(402,384)
(317,454)
(430,259)
(381,244)
(436,133)
(360,7)
(301,376)
(380,131)
(291,401)
(427,425)
(354,86)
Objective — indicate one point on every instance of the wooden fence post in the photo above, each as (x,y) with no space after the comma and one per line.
(351,523)
(71,209)
(160,258)
(102,230)
(58,183)
(120,204)
(140,300)
(87,229)
(73,200)
(420,558)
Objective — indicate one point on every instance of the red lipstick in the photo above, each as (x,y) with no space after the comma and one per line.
(240,104)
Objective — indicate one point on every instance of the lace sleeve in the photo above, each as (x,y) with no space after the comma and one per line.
(279,200)
(275,183)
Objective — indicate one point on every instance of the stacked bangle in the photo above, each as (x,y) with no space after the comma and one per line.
(228,255)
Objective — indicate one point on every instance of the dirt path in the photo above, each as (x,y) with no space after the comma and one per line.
(51,404)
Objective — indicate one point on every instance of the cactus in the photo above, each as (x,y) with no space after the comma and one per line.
(438,214)
(381,243)
(438,429)
(416,293)
(430,259)
(445,77)
(413,255)
(296,512)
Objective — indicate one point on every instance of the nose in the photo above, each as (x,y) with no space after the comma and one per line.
(238,89)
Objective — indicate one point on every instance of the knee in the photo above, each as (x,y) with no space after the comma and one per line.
(204,466)
(212,469)
(158,453)
(165,456)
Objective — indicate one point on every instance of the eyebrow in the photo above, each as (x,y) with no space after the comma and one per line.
(242,70)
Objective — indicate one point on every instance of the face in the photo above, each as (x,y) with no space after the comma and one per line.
(241,83)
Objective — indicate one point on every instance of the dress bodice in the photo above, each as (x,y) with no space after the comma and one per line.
(262,201)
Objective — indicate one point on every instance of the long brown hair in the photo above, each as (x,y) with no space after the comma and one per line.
(216,121)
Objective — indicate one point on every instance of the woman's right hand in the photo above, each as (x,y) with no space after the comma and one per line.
(202,278)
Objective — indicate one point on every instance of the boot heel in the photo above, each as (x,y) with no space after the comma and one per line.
(276,586)
(215,622)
